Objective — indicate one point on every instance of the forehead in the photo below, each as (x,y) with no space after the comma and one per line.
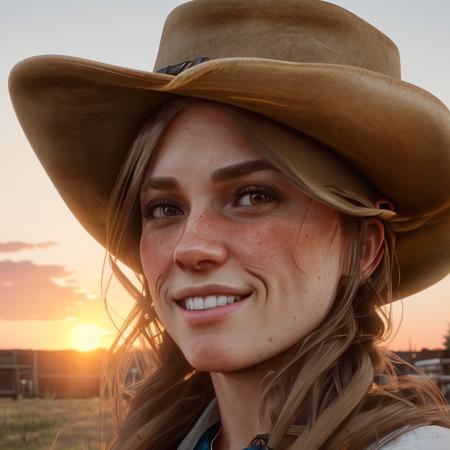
(203,134)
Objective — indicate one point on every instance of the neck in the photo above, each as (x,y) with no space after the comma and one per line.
(239,396)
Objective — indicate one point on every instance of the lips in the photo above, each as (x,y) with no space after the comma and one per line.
(201,317)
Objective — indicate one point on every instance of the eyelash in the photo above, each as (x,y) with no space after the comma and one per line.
(237,193)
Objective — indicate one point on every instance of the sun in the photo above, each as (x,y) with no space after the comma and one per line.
(86,337)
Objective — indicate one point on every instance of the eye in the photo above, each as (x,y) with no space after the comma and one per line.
(255,195)
(160,209)
(250,197)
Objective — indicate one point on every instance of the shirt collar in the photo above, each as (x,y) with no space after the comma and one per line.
(209,417)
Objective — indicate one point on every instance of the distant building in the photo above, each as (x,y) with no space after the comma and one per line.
(61,374)
(435,364)
(74,374)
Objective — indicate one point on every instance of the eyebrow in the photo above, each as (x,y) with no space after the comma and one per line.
(219,175)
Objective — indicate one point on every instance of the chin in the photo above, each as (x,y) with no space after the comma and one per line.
(214,359)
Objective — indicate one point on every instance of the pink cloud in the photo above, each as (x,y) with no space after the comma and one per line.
(30,291)
(16,246)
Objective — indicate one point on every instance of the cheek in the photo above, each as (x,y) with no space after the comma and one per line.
(156,256)
(265,245)
(317,253)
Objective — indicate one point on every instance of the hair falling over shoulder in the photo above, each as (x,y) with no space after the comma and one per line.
(337,389)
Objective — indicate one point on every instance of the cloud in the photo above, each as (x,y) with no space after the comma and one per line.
(29,291)
(16,246)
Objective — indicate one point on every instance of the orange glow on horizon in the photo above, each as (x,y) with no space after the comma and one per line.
(86,337)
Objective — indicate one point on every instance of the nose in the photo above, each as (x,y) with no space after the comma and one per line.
(201,245)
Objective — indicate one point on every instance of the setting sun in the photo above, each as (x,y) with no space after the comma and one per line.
(86,337)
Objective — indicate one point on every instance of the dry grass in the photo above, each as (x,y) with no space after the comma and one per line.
(39,424)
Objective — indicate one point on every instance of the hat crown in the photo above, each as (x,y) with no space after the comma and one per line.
(305,31)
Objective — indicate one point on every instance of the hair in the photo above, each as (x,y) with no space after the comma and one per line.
(336,389)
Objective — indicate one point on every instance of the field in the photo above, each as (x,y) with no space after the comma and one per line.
(38,424)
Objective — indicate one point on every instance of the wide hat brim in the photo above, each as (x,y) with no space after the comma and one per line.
(81,116)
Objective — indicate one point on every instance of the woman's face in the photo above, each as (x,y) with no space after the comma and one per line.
(222,226)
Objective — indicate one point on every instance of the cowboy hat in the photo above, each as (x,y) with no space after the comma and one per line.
(308,64)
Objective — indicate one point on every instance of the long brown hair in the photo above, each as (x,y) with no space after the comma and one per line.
(337,389)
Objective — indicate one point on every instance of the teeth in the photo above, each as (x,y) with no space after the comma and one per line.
(222,300)
(198,303)
(209,301)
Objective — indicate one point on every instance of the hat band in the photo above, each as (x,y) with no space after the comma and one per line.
(175,69)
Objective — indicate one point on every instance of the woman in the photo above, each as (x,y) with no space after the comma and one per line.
(258,166)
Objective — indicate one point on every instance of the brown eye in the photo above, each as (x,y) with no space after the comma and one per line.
(165,210)
(255,196)
(161,209)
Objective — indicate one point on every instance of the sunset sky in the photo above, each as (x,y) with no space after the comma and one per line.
(50,267)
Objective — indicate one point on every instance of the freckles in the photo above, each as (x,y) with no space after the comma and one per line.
(268,243)
(156,256)
(161,243)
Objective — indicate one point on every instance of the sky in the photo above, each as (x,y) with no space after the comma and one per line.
(50,267)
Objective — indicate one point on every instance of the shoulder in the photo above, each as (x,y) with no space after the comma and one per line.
(428,437)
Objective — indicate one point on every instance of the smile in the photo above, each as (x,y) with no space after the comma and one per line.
(209,301)
(209,312)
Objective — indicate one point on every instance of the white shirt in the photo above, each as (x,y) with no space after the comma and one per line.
(427,437)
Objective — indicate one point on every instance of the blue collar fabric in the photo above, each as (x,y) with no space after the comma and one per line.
(207,438)
(207,428)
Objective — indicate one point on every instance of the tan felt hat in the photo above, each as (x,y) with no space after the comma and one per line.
(308,64)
